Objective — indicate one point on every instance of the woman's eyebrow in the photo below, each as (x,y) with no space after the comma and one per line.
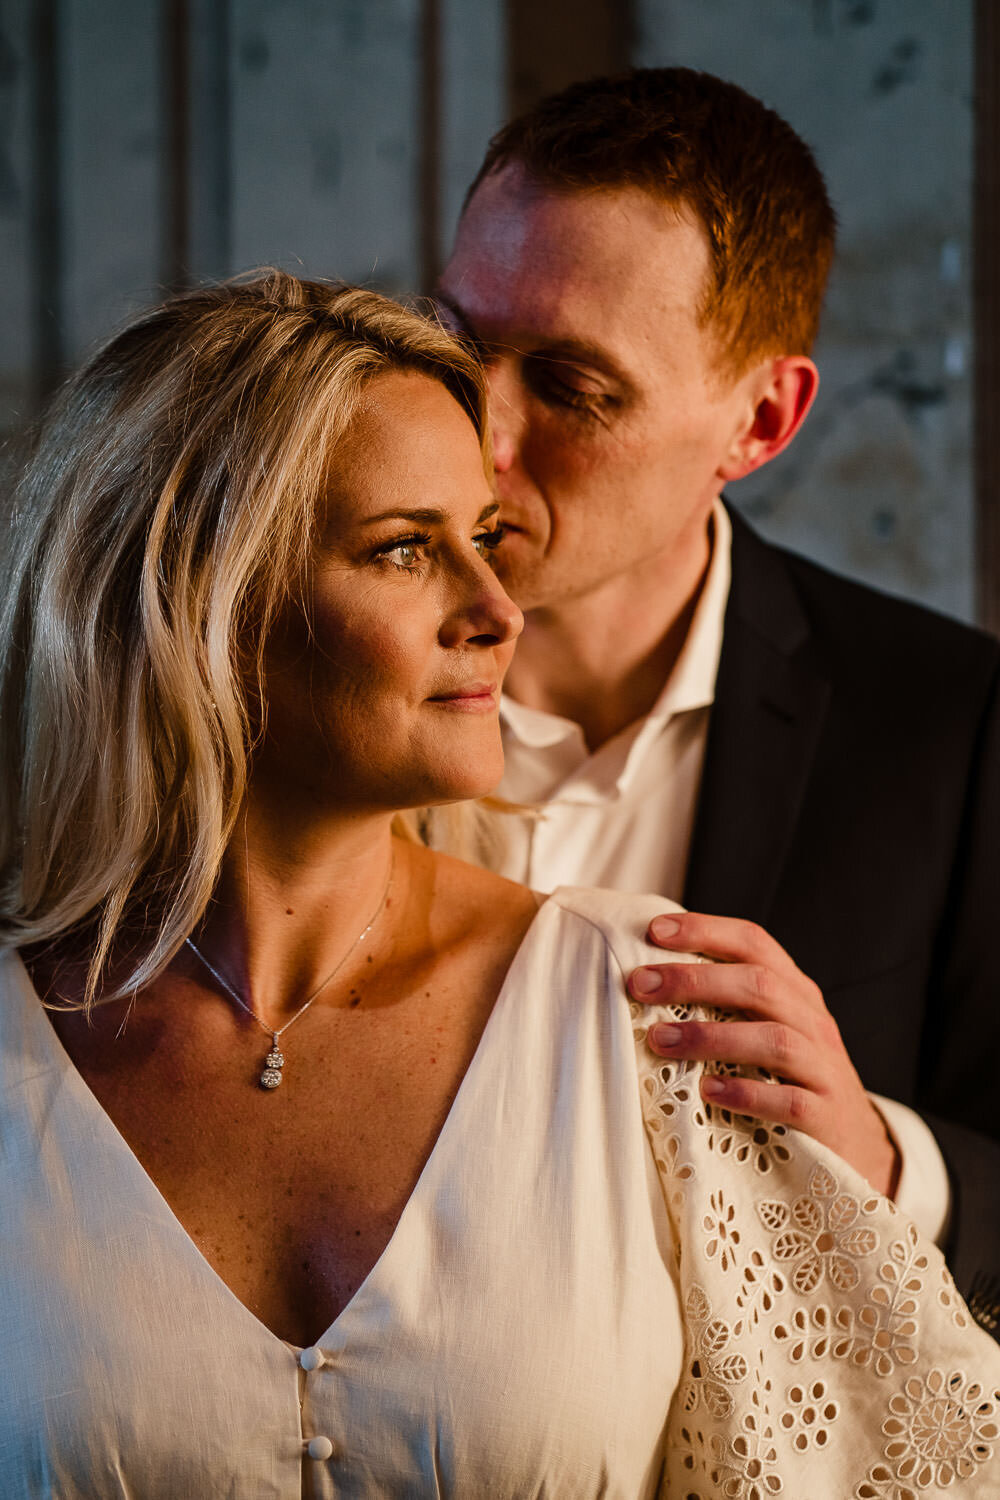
(426,515)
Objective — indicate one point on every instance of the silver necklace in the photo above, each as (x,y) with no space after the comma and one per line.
(271,1076)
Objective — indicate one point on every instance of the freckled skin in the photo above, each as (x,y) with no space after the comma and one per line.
(293,1195)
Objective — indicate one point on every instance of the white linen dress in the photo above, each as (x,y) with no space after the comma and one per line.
(597,1288)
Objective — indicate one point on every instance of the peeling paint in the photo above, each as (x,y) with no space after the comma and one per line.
(900,69)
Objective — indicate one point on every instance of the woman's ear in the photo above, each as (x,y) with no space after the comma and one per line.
(780,394)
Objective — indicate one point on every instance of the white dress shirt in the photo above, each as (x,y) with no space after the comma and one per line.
(622,818)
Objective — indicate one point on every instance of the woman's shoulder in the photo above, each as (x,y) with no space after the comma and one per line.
(470,891)
(621,918)
(477,898)
(575,926)
(468,912)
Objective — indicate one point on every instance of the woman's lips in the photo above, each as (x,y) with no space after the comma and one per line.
(474,697)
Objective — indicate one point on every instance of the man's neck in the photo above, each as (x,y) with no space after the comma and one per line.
(603,659)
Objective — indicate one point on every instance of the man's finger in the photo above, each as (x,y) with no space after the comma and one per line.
(725,939)
(768,1045)
(747,988)
(777,1103)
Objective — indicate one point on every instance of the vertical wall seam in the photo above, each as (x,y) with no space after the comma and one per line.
(47,227)
(563,41)
(429,155)
(222,164)
(209,168)
(175,156)
(986,312)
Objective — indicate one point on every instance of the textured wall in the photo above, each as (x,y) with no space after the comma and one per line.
(341,163)
(879,482)
(16,299)
(324,129)
(144,142)
(143,139)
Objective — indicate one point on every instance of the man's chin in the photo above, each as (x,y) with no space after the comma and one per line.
(524,582)
(531,590)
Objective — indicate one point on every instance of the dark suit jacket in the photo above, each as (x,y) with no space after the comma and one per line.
(851,804)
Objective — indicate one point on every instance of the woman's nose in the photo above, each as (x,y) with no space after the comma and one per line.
(487,614)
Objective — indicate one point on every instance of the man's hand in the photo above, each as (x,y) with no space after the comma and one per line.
(784,1027)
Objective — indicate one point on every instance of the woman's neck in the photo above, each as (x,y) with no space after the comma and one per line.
(291,906)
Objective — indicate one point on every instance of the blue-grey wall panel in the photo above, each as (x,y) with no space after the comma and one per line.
(17,293)
(326,115)
(111,123)
(473,103)
(879,482)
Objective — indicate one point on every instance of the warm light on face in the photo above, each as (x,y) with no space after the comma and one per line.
(610,419)
(387,696)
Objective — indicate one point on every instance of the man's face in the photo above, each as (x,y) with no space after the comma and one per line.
(612,425)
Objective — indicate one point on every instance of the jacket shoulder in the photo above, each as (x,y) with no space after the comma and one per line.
(852,628)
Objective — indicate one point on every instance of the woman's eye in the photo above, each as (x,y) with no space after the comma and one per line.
(487,541)
(404,554)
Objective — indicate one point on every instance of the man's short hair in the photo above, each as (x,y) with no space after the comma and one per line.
(698,142)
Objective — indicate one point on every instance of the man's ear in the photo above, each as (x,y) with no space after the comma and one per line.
(780,394)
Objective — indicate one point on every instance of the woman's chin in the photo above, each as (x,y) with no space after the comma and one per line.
(467,784)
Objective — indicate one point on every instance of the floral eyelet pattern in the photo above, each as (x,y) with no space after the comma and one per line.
(715,1367)
(809,1415)
(819,1323)
(940,1428)
(820,1236)
(722,1232)
(743,1466)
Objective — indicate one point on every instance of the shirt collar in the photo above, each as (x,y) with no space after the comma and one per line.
(692,682)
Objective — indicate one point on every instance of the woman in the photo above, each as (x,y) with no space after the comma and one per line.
(324,1165)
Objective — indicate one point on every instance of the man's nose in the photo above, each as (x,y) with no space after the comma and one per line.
(506,417)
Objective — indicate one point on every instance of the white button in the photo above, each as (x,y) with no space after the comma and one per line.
(320,1447)
(311,1359)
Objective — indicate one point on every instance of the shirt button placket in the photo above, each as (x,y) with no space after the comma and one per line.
(319,1447)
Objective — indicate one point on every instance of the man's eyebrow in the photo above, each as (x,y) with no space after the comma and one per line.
(566,347)
(570,349)
(426,515)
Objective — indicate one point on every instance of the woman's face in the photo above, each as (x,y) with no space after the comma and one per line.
(390,699)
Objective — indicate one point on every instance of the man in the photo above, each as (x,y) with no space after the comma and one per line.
(641,262)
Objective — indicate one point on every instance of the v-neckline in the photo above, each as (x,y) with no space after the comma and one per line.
(48,1038)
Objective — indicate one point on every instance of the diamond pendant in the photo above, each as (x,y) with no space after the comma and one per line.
(273,1064)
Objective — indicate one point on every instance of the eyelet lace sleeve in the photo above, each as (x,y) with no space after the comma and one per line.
(828,1355)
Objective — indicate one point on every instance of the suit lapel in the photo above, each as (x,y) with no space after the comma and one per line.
(770,703)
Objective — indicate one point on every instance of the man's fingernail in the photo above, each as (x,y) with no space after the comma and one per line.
(713,1086)
(647,981)
(664,927)
(665,1036)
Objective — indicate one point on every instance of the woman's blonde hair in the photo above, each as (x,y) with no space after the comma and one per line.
(168,513)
